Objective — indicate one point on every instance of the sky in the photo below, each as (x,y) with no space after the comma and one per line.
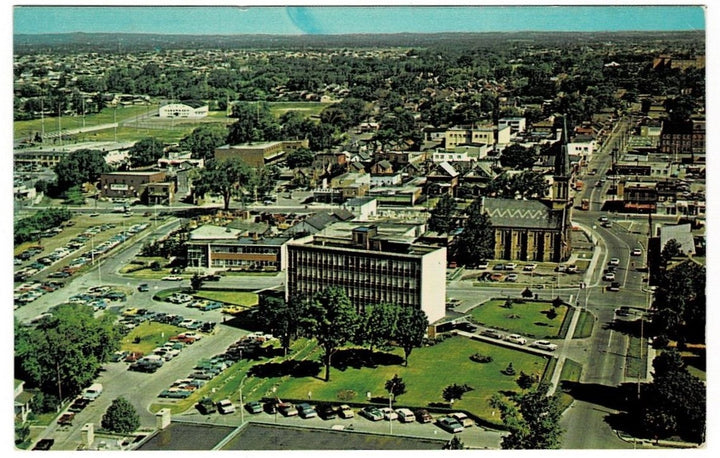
(294,20)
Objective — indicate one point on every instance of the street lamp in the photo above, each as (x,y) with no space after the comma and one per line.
(242,414)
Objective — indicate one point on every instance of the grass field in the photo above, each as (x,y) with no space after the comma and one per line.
(51,123)
(529,319)
(430,370)
(304,108)
(147,336)
(585,325)
(243,298)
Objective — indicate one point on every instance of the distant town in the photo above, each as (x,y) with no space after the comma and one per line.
(452,241)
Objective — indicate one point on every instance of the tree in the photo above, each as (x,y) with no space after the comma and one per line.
(671,250)
(412,324)
(379,325)
(395,386)
(680,302)
(121,417)
(526,381)
(331,319)
(477,239)
(518,157)
(63,354)
(254,123)
(533,419)
(454,444)
(280,318)
(301,157)
(196,282)
(80,167)
(203,140)
(454,392)
(228,178)
(441,217)
(146,152)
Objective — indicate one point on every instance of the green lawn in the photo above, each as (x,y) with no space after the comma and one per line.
(571,372)
(430,370)
(584,325)
(304,108)
(151,335)
(107,115)
(243,298)
(526,318)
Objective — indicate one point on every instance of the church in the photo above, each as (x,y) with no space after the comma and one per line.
(539,229)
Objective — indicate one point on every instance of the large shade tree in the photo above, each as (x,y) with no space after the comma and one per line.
(229,178)
(80,167)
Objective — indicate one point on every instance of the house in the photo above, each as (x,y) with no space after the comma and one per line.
(319,221)
(382,168)
(442,179)
(22,402)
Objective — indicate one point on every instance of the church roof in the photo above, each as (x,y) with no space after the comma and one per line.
(526,214)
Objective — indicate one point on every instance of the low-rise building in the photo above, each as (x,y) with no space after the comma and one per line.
(259,154)
(217,247)
(189,109)
(129,184)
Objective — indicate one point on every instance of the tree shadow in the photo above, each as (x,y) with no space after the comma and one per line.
(357,358)
(290,367)
(612,397)
(626,327)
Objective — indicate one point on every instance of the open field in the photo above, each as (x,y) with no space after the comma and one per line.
(147,336)
(306,109)
(529,318)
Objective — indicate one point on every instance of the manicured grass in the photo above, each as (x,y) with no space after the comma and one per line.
(151,335)
(635,365)
(243,298)
(525,318)
(571,372)
(430,370)
(585,325)
(107,115)
(236,273)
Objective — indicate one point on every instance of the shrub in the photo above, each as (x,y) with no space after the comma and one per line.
(478,358)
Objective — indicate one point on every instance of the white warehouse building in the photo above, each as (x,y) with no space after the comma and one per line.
(191,109)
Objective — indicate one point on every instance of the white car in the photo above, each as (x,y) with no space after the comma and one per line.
(463,419)
(388,413)
(544,345)
(516,338)
(609,276)
(172,278)
(614,262)
(510,266)
(529,267)
(636,252)
(225,406)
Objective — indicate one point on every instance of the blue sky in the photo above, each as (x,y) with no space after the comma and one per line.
(295,20)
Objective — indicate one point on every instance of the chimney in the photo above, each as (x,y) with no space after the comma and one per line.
(162,418)
(87,434)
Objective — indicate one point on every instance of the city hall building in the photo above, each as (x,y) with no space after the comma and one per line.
(371,268)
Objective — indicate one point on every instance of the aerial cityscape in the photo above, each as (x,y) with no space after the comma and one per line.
(359,228)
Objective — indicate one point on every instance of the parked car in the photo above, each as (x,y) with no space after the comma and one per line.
(614,262)
(287,409)
(405,415)
(544,345)
(225,406)
(510,266)
(206,406)
(371,413)
(254,407)
(492,333)
(463,419)
(499,267)
(465,326)
(614,286)
(450,425)
(388,413)
(423,416)
(143,288)
(305,410)
(511,277)
(529,267)
(44,444)
(327,411)
(636,252)
(516,338)
(609,276)
(622,311)
(345,411)
(172,278)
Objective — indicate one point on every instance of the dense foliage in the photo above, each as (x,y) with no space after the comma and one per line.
(63,354)
(27,229)
(80,167)
(121,417)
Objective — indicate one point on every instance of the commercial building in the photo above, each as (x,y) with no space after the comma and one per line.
(371,268)
(190,109)
(129,184)
(259,154)
(217,247)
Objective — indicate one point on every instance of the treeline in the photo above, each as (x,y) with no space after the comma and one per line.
(29,228)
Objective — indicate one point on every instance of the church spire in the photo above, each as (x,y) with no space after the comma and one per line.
(562,158)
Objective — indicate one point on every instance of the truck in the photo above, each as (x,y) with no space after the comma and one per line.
(93,391)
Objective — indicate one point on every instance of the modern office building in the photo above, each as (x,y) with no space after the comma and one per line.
(259,154)
(216,247)
(371,268)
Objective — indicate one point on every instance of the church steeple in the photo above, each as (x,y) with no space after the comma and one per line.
(562,159)
(561,172)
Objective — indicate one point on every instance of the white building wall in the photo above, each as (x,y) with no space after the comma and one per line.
(432,288)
